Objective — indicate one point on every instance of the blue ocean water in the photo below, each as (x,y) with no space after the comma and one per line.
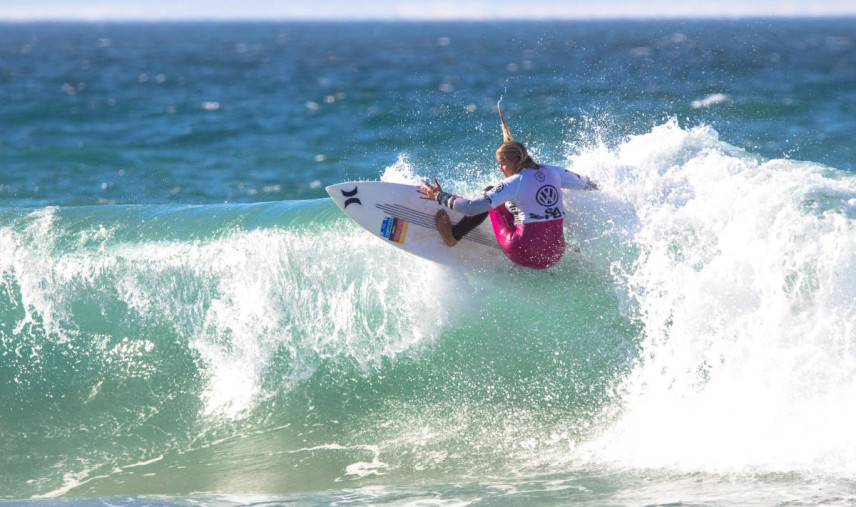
(186,319)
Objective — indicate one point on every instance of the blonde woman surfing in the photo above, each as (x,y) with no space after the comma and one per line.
(525,208)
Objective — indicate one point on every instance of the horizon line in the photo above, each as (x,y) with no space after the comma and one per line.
(429,19)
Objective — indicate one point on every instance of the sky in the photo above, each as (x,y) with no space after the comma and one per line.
(152,10)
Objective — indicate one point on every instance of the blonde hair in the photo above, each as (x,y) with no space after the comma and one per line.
(511,149)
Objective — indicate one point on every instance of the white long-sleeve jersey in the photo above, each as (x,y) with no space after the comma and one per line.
(532,195)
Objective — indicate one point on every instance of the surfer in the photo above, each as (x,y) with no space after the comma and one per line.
(529,225)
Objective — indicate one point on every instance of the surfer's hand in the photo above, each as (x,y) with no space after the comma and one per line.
(590,184)
(429,191)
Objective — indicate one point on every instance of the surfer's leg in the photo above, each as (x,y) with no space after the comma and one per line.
(460,229)
(451,234)
(444,225)
(542,244)
(503,226)
(467,224)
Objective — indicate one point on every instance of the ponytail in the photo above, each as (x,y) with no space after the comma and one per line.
(511,149)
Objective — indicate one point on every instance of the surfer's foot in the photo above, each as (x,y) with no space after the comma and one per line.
(444,225)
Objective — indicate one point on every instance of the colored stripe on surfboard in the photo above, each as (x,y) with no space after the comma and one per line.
(394,229)
(427,220)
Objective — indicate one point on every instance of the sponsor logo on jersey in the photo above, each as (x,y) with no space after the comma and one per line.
(547,195)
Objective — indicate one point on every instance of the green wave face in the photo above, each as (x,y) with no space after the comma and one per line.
(141,343)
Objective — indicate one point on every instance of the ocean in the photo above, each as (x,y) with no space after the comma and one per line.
(187,319)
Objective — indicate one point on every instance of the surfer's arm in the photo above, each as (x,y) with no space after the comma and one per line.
(452,201)
(575,181)
(494,195)
(468,207)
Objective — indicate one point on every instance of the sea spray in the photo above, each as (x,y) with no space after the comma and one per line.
(744,285)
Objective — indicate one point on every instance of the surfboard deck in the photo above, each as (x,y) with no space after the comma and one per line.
(394,213)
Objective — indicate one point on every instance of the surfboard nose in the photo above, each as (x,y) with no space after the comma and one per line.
(331,189)
(344,194)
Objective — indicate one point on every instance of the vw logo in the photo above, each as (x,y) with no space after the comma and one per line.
(547,195)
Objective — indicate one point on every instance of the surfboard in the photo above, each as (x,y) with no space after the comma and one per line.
(394,213)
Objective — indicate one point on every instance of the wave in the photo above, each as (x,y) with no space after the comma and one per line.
(234,283)
(706,324)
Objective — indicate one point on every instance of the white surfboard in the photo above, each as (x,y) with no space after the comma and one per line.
(395,213)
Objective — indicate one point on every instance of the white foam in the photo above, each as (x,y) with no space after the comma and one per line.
(746,288)
(243,301)
(402,171)
(304,299)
